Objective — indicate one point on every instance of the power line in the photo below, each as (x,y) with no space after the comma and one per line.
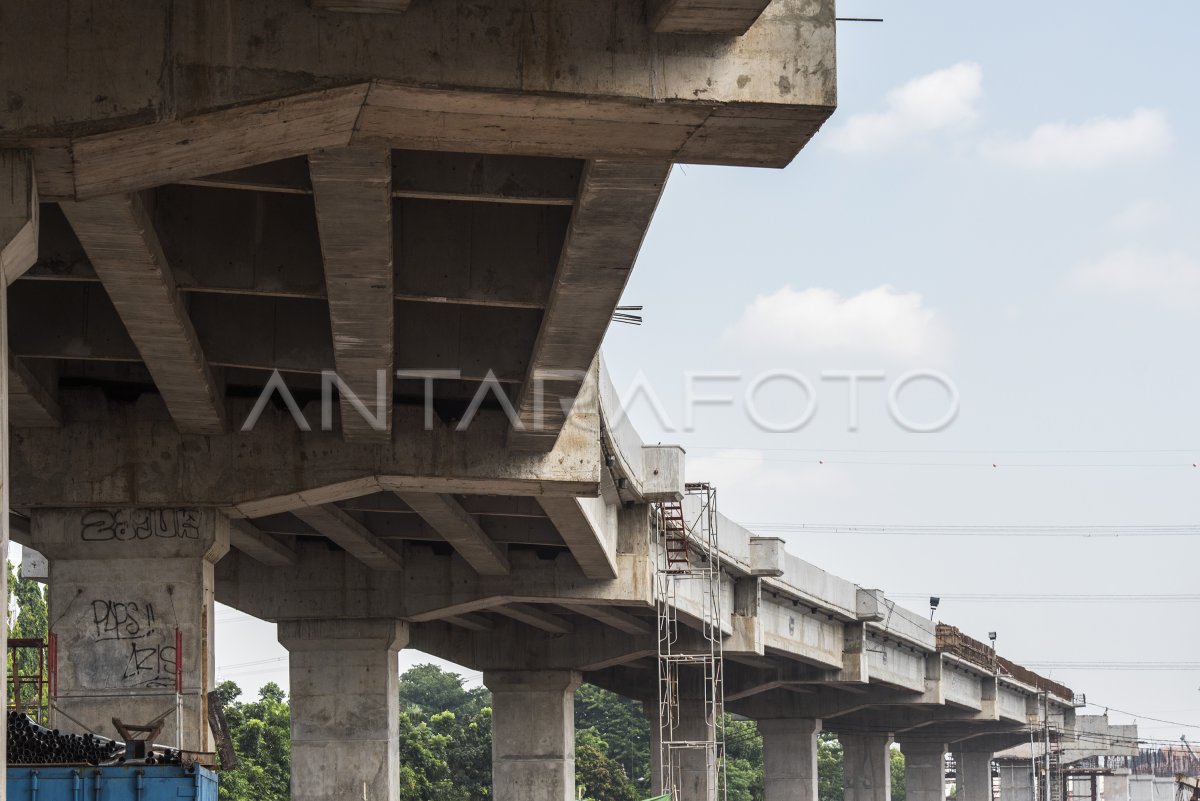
(1107,708)
(985,530)
(1051,598)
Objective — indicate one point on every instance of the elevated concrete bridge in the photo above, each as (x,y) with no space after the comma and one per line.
(430,209)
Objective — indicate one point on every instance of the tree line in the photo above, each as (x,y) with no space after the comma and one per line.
(446,736)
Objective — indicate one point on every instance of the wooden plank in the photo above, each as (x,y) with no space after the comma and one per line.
(713,17)
(533,616)
(616,202)
(259,545)
(33,402)
(609,616)
(588,544)
(352,536)
(461,530)
(152,155)
(353,196)
(121,242)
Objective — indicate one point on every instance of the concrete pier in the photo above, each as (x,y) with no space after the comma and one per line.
(345,707)
(533,734)
(1113,787)
(790,758)
(867,765)
(974,779)
(924,771)
(1017,782)
(131,609)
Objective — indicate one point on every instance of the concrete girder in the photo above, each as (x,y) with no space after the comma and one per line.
(114,453)
(705,16)
(531,615)
(609,616)
(429,588)
(352,536)
(431,175)
(573,79)
(616,202)
(20,214)
(119,236)
(460,529)
(32,399)
(352,191)
(361,6)
(259,545)
(588,527)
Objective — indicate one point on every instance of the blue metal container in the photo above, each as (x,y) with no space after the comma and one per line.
(113,783)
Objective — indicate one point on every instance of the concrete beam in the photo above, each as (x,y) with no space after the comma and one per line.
(729,18)
(20,214)
(609,616)
(461,530)
(352,192)
(259,545)
(32,401)
(113,453)
(616,201)
(118,234)
(361,6)
(587,527)
(430,175)
(533,616)
(352,536)
(498,84)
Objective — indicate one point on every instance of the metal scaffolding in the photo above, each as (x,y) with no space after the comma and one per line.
(688,576)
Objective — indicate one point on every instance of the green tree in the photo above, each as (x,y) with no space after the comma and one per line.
(621,724)
(743,761)
(429,690)
(26,620)
(599,774)
(830,777)
(261,733)
(898,789)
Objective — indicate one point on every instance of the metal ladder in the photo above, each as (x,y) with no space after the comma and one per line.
(687,555)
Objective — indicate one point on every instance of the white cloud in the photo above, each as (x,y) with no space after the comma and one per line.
(880,322)
(1142,214)
(940,100)
(1090,145)
(1171,279)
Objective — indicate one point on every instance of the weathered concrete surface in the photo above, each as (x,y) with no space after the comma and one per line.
(790,759)
(116,453)
(924,771)
(973,778)
(866,761)
(345,702)
(123,582)
(203,91)
(533,734)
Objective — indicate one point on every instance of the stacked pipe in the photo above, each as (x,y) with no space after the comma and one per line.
(32,744)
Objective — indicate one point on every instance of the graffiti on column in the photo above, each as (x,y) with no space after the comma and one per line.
(102,525)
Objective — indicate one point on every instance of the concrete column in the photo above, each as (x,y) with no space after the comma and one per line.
(345,699)
(1115,787)
(789,758)
(1141,788)
(867,764)
(973,781)
(1017,783)
(533,734)
(131,610)
(924,771)
(696,767)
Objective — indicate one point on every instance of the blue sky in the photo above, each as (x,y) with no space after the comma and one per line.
(1007,194)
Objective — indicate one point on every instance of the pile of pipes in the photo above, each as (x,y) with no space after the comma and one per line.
(32,744)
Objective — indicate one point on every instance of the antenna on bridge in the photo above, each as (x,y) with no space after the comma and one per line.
(933,605)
